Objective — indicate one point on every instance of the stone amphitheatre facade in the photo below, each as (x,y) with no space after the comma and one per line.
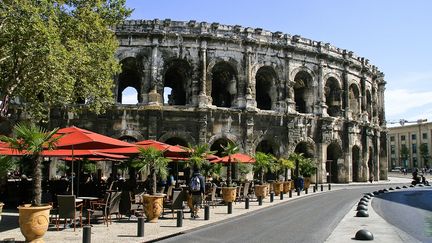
(264,91)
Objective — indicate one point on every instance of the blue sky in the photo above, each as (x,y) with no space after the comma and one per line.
(395,35)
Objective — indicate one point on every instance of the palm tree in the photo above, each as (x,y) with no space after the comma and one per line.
(198,155)
(286,164)
(32,140)
(261,165)
(229,150)
(154,162)
(297,158)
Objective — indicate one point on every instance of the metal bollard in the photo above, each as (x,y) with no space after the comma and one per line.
(271,196)
(229,207)
(329,186)
(140,226)
(87,234)
(206,212)
(247,203)
(322,187)
(314,189)
(260,200)
(306,191)
(290,194)
(298,192)
(179,218)
(281,196)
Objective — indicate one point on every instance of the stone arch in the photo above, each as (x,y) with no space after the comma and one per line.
(176,141)
(369,105)
(129,77)
(176,82)
(333,95)
(178,134)
(333,167)
(227,137)
(128,139)
(265,88)
(128,134)
(224,83)
(266,146)
(354,103)
(303,92)
(307,148)
(356,164)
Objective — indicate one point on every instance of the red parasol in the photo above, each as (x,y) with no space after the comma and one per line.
(238,158)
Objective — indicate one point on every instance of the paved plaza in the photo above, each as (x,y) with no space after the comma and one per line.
(125,230)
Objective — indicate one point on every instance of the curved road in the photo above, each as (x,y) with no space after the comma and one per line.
(409,210)
(307,219)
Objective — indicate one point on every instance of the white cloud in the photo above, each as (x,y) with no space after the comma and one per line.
(407,104)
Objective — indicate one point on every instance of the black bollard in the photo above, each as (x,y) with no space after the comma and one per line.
(290,193)
(260,200)
(87,234)
(322,187)
(298,192)
(179,218)
(247,203)
(206,212)
(271,196)
(329,186)
(281,196)
(141,226)
(229,207)
(306,191)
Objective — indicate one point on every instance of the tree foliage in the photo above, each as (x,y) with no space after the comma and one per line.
(424,153)
(58,52)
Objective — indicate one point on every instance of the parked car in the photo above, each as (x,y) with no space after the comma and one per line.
(396,169)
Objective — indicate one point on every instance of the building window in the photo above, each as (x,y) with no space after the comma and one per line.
(392,149)
(414,148)
(392,139)
(415,162)
(403,138)
(413,137)
(424,135)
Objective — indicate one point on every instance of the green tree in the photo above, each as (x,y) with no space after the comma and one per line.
(152,161)
(32,140)
(58,52)
(285,165)
(229,150)
(296,157)
(262,165)
(198,155)
(424,153)
(404,154)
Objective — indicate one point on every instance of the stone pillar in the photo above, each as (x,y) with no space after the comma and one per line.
(154,97)
(321,102)
(249,133)
(290,86)
(250,82)
(202,139)
(203,99)
(152,125)
(381,111)
(345,98)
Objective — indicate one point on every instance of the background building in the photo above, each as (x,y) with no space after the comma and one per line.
(410,145)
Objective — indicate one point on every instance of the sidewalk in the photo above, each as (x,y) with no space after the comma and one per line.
(126,230)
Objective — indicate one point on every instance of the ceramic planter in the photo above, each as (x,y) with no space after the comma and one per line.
(277,187)
(307,182)
(229,194)
(153,207)
(286,186)
(34,221)
(261,190)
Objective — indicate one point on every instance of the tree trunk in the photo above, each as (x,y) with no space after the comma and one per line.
(37,181)
(286,174)
(229,179)
(262,176)
(153,181)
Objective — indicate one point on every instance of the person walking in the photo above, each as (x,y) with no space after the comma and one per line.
(196,189)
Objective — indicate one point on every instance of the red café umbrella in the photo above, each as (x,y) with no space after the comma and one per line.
(238,158)
(170,151)
(77,139)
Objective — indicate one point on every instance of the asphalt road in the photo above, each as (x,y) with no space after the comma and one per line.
(307,219)
(409,210)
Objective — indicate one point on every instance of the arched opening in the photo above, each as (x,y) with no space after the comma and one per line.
(356,164)
(371,164)
(266,147)
(219,145)
(176,81)
(129,77)
(129,96)
(354,100)
(265,80)
(224,84)
(306,149)
(333,97)
(128,139)
(176,141)
(303,92)
(334,153)
(369,105)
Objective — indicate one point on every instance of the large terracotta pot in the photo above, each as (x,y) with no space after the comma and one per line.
(261,190)
(34,221)
(277,187)
(286,186)
(307,182)
(1,209)
(229,194)
(153,207)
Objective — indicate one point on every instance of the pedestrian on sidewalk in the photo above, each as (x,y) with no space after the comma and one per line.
(197,190)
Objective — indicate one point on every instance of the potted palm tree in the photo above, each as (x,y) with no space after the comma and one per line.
(155,164)
(307,169)
(285,165)
(276,167)
(261,166)
(229,192)
(32,140)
